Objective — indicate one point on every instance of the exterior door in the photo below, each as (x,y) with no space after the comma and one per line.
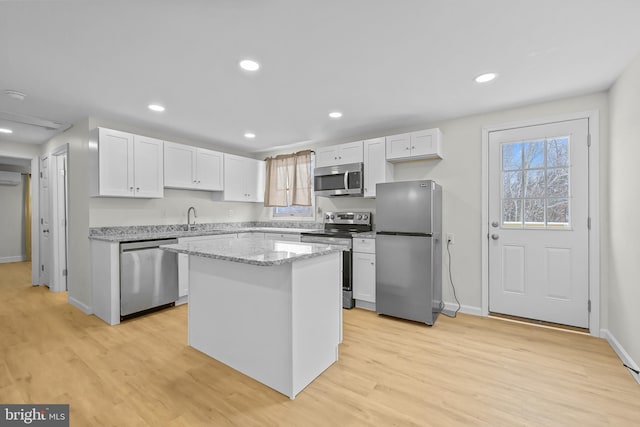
(538,222)
(45,226)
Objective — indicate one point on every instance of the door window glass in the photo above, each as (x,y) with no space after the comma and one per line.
(535,184)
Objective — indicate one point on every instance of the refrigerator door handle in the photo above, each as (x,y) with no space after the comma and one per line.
(346,180)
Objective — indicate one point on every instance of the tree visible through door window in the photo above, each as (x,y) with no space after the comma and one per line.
(535,184)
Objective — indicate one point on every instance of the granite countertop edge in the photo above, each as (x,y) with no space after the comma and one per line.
(173,234)
(248,260)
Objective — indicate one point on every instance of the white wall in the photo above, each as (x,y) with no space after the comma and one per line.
(21,151)
(79,278)
(12,243)
(624,212)
(460,175)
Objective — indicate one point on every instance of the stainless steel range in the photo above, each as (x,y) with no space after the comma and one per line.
(339,229)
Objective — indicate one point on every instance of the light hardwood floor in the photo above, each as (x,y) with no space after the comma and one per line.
(468,371)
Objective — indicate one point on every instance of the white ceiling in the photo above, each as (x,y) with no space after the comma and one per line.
(386,64)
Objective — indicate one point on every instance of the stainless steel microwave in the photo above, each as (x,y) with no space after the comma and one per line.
(341,180)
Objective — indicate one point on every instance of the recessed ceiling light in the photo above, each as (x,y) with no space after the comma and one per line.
(156,107)
(484,78)
(249,135)
(14,94)
(3,130)
(335,114)
(249,65)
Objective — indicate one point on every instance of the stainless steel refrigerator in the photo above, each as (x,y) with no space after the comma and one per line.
(408,226)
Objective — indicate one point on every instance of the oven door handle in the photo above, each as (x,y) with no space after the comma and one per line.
(346,180)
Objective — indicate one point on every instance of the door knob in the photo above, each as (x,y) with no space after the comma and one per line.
(494,224)
(495,236)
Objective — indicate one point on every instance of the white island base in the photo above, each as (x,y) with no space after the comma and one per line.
(279,324)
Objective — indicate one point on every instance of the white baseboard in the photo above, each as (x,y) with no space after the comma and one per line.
(82,306)
(18,258)
(621,352)
(366,305)
(466,309)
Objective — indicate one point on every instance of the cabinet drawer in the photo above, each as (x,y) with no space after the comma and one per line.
(364,245)
(282,236)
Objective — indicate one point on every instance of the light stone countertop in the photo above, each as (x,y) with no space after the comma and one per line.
(254,251)
(172,234)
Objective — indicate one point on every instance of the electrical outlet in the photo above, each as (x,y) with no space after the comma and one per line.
(230,213)
(451,238)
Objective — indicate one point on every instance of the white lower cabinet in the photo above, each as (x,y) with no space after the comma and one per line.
(183,264)
(364,273)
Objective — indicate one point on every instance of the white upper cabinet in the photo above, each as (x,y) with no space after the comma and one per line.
(424,144)
(376,167)
(243,179)
(341,154)
(192,168)
(125,165)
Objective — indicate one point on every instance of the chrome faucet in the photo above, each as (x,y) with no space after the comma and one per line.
(195,215)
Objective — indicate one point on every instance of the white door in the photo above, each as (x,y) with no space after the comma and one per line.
(179,166)
(116,163)
(148,166)
(398,146)
(234,178)
(350,152)
(60,232)
(376,167)
(209,167)
(538,222)
(45,226)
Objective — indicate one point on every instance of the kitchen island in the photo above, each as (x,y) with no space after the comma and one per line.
(267,308)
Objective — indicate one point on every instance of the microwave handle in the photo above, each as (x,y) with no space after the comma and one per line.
(346,180)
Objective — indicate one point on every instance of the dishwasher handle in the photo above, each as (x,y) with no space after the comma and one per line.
(147,244)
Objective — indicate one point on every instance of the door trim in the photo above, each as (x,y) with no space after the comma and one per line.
(59,234)
(594,207)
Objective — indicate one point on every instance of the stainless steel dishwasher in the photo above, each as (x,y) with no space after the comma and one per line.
(148,277)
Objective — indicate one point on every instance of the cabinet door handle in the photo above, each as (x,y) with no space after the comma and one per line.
(407,148)
(413,147)
(130,188)
(372,264)
(138,189)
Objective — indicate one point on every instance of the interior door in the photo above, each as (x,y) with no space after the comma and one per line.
(45,226)
(538,230)
(61,216)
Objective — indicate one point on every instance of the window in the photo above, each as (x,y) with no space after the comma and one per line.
(284,181)
(535,184)
(302,212)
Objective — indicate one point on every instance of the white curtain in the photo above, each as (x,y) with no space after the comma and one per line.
(301,188)
(288,180)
